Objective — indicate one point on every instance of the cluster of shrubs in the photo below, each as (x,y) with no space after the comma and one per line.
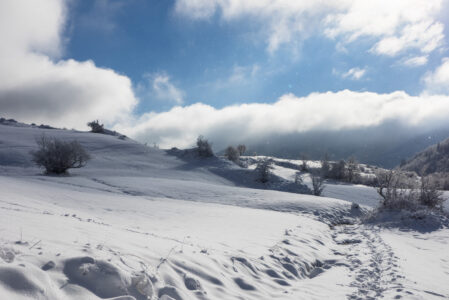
(404,192)
(233,153)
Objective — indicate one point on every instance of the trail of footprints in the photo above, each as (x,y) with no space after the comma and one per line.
(373,265)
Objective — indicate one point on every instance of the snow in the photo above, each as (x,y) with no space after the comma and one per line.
(143,223)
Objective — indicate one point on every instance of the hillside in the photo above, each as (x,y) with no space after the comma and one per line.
(434,159)
(144,223)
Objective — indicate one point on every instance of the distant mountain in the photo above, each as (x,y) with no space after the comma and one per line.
(384,146)
(434,159)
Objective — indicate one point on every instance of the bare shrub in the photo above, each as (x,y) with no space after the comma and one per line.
(298,178)
(204,147)
(325,166)
(263,170)
(396,191)
(232,154)
(303,167)
(430,196)
(96,127)
(317,182)
(337,170)
(57,156)
(352,170)
(403,191)
(241,149)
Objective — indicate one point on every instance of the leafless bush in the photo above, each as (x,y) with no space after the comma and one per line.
(403,191)
(430,196)
(204,147)
(263,170)
(337,170)
(232,154)
(96,127)
(241,149)
(57,156)
(303,167)
(317,182)
(352,170)
(325,166)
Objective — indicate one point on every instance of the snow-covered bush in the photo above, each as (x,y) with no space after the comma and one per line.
(404,192)
(57,156)
(241,149)
(317,182)
(337,170)
(96,127)
(204,147)
(429,195)
(263,170)
(325,166)
(232,154)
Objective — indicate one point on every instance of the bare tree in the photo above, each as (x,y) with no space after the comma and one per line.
(304,167)
(352,170)
(204,147)
(338,170)
(96,127)
(263,170)
(232,154)
(325,166)
(317,182)
(57,156)
(429,194)
(241,149)
(397,191)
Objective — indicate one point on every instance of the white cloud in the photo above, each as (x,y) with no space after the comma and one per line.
(394,26)
(164,89)
(354,73)
(37,87)
(438,81)
(290,114)
(415,61)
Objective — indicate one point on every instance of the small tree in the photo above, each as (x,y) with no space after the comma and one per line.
(397,191)
(204,147)
(325,166)
(352,171)
(57,156)
(241,149)
(429,195)
(317,182)
(298,178)
(232,154)
(263,170)
(96,127)
(304,167)
(338,170)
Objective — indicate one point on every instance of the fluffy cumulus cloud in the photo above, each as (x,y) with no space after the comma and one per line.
(164,89)
(342,110)
(393,26)
(438,80)
(37,86)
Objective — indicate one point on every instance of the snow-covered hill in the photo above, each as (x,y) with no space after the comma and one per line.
(143,223)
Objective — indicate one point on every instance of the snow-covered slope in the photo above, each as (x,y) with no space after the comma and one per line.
(139,223)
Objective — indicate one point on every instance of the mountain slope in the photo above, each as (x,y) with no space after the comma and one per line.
(434,159)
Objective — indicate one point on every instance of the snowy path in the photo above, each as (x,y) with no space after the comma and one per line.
(373,264)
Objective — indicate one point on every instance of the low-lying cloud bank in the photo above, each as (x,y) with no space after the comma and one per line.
(339,111)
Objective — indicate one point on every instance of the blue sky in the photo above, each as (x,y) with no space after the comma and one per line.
(140,38)
(167,71)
